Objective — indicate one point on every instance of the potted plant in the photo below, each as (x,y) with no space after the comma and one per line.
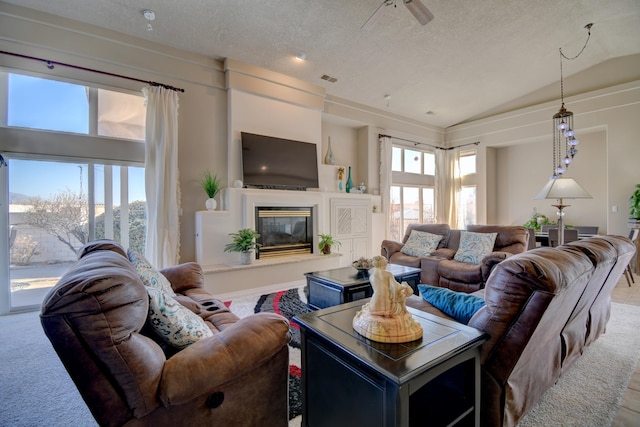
(244,241)
(326,242)
(634,206)
(211,185)
(536,221)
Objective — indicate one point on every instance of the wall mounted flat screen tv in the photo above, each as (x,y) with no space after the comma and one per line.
(278,163)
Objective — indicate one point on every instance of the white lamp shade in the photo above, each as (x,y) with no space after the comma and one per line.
(563,188)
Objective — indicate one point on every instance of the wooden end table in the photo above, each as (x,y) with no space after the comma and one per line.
(327,288)
(350,380)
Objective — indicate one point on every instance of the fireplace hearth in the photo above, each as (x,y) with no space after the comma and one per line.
(284,231)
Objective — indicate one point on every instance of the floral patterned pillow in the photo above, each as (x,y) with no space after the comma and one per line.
(421,243)
(474,246)
(148,274)
(174,323)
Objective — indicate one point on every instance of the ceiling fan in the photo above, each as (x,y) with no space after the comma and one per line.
(419,10)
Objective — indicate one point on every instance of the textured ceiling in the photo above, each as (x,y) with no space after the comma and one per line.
(473,57)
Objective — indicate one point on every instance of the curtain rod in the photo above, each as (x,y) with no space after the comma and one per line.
(50,65)
(380,135)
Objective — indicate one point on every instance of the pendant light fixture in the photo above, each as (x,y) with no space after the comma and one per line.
(564,140)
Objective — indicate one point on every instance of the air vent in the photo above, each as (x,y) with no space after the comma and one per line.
(329,78)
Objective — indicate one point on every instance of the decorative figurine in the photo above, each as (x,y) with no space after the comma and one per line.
(385,317)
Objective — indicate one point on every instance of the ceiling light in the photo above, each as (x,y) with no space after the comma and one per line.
(301,56)
(149,15)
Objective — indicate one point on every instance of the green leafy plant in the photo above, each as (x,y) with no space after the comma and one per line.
(210,184)
(326,242)
(243,241)
(537,220)
(634,203)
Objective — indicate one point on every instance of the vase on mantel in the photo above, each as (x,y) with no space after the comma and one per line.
(329,158)
(349,185)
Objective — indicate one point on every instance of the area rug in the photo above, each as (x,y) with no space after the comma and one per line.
(287,303)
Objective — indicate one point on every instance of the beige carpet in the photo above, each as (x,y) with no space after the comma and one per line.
(35,389)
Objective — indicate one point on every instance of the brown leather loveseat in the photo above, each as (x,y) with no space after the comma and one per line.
(96,319)
(542,309)
(441,269)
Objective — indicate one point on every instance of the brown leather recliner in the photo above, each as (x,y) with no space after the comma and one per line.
(95,318)
(465,277)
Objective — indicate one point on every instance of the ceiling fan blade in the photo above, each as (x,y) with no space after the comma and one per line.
(375,16)
(419,10)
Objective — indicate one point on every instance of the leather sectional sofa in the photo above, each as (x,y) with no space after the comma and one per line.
(96,317)
(543,307)
(441,269)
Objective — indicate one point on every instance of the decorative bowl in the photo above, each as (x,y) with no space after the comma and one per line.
(362,264)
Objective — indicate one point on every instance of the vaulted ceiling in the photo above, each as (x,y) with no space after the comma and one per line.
(473,57)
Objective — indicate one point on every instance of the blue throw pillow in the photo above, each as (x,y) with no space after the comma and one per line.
(459,305)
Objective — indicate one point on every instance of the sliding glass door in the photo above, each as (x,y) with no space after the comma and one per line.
(55,208)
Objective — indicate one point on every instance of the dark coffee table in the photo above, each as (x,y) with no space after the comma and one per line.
(327,288)
(348,380)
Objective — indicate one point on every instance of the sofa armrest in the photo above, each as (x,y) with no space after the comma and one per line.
(491,260)
(184,276)
(444,253)
(390,247)
(212,361)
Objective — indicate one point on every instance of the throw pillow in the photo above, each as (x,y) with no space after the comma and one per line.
(148,274)
(421,243)
(174,323)
(459,305)
(474,246)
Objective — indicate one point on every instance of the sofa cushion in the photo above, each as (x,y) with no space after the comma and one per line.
(474,246)
(150,276)
(174,323)
(421,243)
(459,305)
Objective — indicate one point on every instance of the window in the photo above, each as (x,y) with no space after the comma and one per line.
(467,211)
(412,191)
(77,187)
(467,208)
(467,163)
(413,161)
(36,103)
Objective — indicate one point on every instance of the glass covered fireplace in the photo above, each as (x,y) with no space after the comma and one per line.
(284,231)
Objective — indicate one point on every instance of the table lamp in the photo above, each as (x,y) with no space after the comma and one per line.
(562,188)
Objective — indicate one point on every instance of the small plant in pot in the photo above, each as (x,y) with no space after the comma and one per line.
(211,185)
(243,241)
(326,242)
(634,205)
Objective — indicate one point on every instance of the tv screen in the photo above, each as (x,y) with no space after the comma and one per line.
(277,163)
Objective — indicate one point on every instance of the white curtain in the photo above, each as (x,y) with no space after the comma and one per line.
(162,183)
(448,187)
(385,180)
